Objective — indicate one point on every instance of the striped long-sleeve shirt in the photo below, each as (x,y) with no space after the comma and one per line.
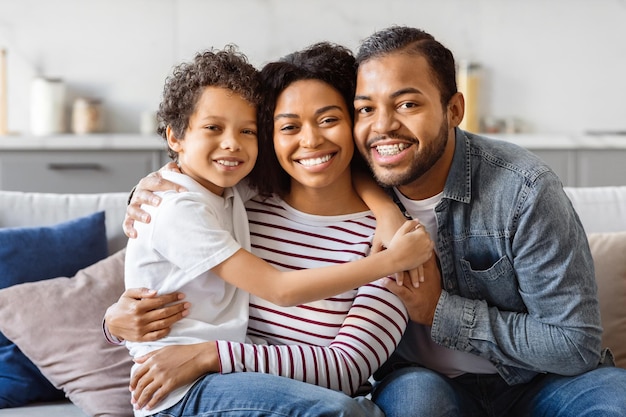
(337,342)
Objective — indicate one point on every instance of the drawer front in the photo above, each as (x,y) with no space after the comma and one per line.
(75,171)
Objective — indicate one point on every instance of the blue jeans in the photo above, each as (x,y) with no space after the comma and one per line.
(416,391)
(254,394)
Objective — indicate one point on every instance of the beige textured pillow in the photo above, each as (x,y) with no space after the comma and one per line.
(609,256)
(57,323)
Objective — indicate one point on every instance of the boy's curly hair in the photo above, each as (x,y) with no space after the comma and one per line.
(227,68)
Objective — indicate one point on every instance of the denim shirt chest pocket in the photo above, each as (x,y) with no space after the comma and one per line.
(488,276)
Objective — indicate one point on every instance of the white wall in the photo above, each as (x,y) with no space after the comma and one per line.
(559,65)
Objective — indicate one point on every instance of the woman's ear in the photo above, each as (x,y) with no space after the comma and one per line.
(456,109)
(173,142)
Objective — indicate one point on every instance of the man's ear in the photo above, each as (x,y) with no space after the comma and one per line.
(456,109)
(172,141)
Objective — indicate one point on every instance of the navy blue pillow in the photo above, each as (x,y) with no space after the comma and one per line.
(29,254)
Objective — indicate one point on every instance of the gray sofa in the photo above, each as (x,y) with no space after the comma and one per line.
(602,210)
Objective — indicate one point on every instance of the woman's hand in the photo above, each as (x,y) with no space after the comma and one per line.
(140,315)
(168,368)
(144,194)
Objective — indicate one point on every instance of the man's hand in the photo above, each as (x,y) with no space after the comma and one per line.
(144,194)
(420,302)
(142,316)
(168,368)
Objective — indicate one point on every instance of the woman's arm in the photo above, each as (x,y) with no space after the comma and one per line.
(370,332)
(389,218)
(143,193)
(368,335)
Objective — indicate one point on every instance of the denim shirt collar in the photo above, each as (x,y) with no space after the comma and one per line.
(459,183)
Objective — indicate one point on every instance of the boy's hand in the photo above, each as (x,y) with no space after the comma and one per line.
(144,194)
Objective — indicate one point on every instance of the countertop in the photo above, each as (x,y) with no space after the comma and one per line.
(563,141)
(114,141)
(100,141)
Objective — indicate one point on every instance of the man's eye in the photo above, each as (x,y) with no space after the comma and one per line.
(408,105)
(363,110)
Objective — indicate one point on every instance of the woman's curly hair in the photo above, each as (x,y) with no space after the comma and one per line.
(227,68)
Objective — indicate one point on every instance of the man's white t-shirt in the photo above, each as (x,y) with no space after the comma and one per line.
(416,344)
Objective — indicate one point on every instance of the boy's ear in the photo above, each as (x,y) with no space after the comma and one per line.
(172,141)
(456,109)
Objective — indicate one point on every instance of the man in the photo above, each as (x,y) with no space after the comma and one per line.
(512,328)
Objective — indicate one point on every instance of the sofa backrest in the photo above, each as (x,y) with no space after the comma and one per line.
(18,209)
(601,209)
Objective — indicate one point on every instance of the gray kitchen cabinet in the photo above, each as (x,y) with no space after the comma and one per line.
(76,171)
(601,167)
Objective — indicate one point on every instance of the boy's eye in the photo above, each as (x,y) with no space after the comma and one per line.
(211,127)
(249,132)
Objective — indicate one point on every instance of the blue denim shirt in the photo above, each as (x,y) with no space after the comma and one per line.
(518,277)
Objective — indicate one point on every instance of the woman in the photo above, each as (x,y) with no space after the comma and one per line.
(308,214)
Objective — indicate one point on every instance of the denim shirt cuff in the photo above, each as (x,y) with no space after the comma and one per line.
(454,320)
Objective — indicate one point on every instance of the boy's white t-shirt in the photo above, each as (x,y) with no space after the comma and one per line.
(189,234)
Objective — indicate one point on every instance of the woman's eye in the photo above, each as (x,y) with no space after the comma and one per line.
(328,120)
(249,132)
(287,128)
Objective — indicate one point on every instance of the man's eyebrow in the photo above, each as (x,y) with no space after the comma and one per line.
(395,94)
(408,90)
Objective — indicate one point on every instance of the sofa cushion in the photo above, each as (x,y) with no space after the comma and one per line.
(609,256)
(67,314)
(32,254)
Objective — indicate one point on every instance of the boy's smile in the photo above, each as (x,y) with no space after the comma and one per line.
(220,145)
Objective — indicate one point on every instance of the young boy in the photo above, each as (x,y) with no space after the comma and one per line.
(198,241)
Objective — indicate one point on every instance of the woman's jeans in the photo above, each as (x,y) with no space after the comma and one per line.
(416,391)
(254,394)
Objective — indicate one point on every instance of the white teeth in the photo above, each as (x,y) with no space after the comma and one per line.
(315,161)
(227,163)
(390,150)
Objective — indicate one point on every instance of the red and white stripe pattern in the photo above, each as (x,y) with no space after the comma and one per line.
(337,342)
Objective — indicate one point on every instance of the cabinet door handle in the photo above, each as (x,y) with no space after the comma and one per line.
(68,166)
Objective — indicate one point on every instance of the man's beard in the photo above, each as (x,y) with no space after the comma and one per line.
(427,156)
